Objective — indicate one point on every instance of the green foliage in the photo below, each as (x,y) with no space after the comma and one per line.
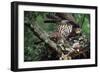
(38,52)
(84,21)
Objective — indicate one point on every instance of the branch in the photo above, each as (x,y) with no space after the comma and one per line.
(41,34)
(60,17)
(66,16)
(73,54)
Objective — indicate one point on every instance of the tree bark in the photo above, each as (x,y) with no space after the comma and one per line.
(41,34)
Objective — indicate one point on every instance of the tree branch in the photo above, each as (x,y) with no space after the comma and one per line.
(41,34)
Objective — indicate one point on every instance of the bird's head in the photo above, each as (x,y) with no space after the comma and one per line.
(77,30)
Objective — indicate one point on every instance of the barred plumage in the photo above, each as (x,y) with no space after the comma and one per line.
(64,30)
